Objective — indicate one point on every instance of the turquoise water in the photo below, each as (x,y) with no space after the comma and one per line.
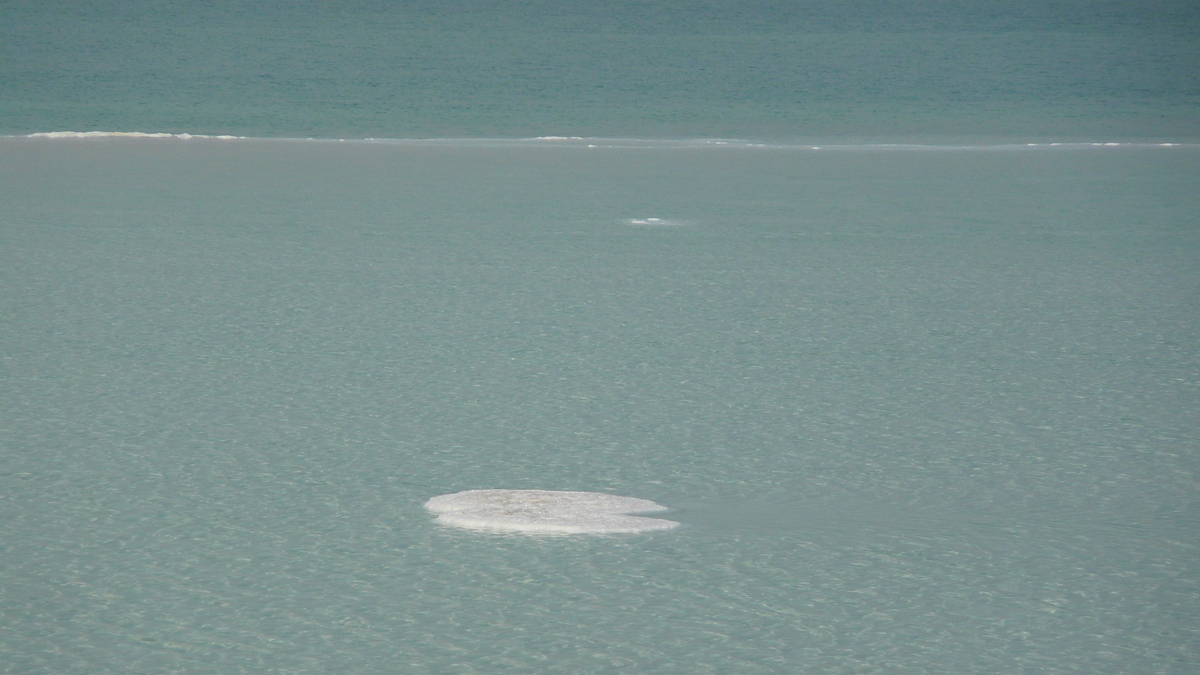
(824,71)
(919,408)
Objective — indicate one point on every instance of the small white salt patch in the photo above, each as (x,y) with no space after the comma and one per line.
(546,511)
(659,222)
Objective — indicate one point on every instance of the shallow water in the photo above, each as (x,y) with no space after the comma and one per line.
(922,395)
(917,410)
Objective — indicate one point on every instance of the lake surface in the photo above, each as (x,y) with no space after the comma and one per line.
(827,70)
(920,386)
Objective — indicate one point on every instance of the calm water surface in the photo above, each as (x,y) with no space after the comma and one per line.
(919,409)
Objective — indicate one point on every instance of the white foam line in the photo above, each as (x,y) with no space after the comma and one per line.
(619,143)
(125,134)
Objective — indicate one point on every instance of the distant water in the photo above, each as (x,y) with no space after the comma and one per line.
(896,309)
(1019,70)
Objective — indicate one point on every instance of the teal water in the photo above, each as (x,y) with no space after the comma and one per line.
(1099,70)
(920,408)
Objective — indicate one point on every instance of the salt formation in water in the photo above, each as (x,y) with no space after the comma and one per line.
(663,222)
(124,134)
(546,511)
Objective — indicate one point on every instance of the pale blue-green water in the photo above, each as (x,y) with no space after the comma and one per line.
(920,409)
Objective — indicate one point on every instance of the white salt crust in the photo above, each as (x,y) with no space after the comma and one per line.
(655,222)
(546,511)
(123,134)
